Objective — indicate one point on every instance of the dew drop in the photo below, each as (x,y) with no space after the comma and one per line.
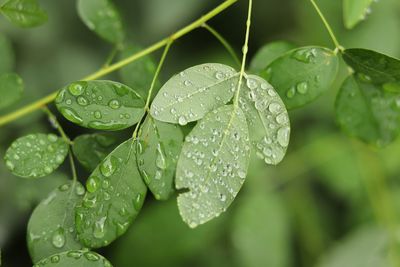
(58,238)
(161,161)
(109,166)
(302,88)
(114,104)
(291,92)
(99,231)
(182,120)
(76,89)
(82,101)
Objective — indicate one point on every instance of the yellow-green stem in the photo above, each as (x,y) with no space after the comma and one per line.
(56,124)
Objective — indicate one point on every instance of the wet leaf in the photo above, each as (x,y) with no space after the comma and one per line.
(189,95)
(267,118)
(6,54)
(36,155)
(102,105)
(303,74)
(212,165)
(366,111)
(11,89)
(51,228)
(115,195)
(102,17)
(24,13)
(355,11)
(158,150)
(76,258)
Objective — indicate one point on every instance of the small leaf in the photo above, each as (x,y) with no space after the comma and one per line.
(366,111)
(377,67)
(51,228)
(36,155)
(11,89)
(191,94)
(303,74)
(24,13)
(212,165)
(267,117)
(355,11)
(102,17)
(138,74)
(102,105)
(91,149)
(77,258)
(158,150)
(115,195)
(6,54)
(268,53)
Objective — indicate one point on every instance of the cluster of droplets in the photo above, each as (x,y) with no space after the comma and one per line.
(74,255)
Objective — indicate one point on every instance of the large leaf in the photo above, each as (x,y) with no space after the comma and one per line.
(189,95)
(103,105)
(51,228)
(36,155)
(355,11)
(24,13)
(268,53)
(115,195)
(76,258)
(366,111)
(91,149)
(11,89)
(303,74)
(213,165)
(376,66)
(158,149)
(267,117)
(103,18)
(6,55)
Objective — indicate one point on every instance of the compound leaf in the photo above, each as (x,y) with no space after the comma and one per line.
(11,89)
(191,94)
(102,105)
(76,258)
(24,13)
(158,149)
(36,155)
(115,195)
(6,54)
(51,228)
(213,165)
(355,11)
(303,74)
(267,118)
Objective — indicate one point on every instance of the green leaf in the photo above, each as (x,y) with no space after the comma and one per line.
(91,149)
(158,150)
(6,54)
(51,228)
(102,105)
(268,53)
(377,67)
(213,165)
(138,74)
(366,111)
(102,17)
(115,195)
(11,89)
(24,13)
(36,155)
(303,74)
(355,11)
(191,94)
(267,118)
(76,258)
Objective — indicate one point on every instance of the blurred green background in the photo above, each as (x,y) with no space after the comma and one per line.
(333,202)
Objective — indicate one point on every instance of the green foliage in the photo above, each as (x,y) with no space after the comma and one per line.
(78,258)
(6,55)
(11,89)
(355,11)
(24,13)
(102,105)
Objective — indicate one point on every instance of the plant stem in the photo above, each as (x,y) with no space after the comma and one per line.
(73,168)
(194,25)
(56,124)
(327,26)
(224,42)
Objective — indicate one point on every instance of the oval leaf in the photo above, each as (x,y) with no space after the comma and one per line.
(11,89)
(102,105)
(158,150)
(366,111)
(77,258)
(267,117)
(213,165)
(103,18)
(355,11)
(51,228)
(378,67)
(303,74)
(6,54)
(36,155)
(194,92)
(115,196)
(91,149)
(24,13)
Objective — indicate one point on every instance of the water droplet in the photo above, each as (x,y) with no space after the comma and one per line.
(187,83)
(92,184)
(58,238)
(91,256)
(80,190)
(97,114)
(274,107)
(74,254)
(114,104)
(182,120)
(251,83)
(282,118)
(71,115)
(55,259)
(219,75)
(82,101)
(302,88)
(283,136)
(109,166)
(161,161)
(76,89)
(99,231)
(291,92)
